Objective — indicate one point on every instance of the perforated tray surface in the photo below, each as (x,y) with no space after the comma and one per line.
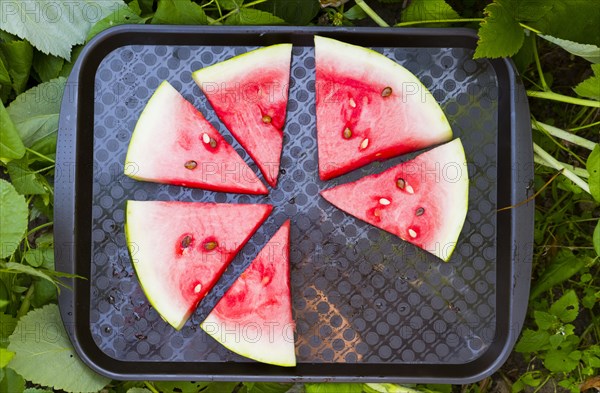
(367,305)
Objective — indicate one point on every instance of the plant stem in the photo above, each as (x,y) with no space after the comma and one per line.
(424,22)
(40,155)
(26,303)
(558,166)
(538,64)
(523,25)
(150,387)
(548,95)
(585,126)
(233,12)
(369,11)
(578,171)
(562,134)
(48,224)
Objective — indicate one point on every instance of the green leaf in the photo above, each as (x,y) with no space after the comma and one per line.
(567,307)
(428,10)
(564,266)
(500,35)
(555,340)
(11,145)
(24,180)
(587,51)
(4,75)
(138,390)
(36,390)
(7,326)
(5,357)
(40,339)
(12,382)
(268,387)
(229,5)
(18,57)
(47,66)
(524,58)
(183,12)
(591,86)
(54,26)
(121,16)
(387,388)
(13,218)
(527,10)
(250,16)
(295,12)
(596,238)
(181,387)
(530,378)
(333,388)
(220,387)
(559,361)
(36,257)
(15,268)
(544,320)
(355,13)
(532,341)
(593,168)
(35,113)
(44,292)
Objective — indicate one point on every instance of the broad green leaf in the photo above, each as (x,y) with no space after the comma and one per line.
(37,257)
(295,12)
(544,320)
(593,168)
(333,388)
(567,307)
(135,7)
(530,378)
(230,4)
(500,35)
(428,10)
(555,340)
(40,339)
(182,12)
(54,26)
(564,266)
(14,267)
(13,218)
(596,238)
(36,390)
(11,145)
(220,387)
(138,390)
(181,387)
(587,51)
(35,112)
(12,382)
(387,388)
(250,16)
(524,57)
(47,66)
(573,20)
(66,70)
(355,13)
(7,326)
(23,179)
(5,357)
(559,361)
(17,57)
(146,6)
(121,16)
(532,341)
(5,300)
(4,75)
(268,387)
(44,292)
(527,10)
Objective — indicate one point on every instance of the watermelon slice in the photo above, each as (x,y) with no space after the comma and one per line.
(369,108)
(180,249)
(423,201)
(249,93)
(254,317)
(173,143)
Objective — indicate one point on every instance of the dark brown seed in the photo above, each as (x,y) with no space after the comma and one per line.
(191,164)
(420,211)
(386,92)
(266,119)
(347,133)
(213,143)
(186,241)
(400,183)
(209,246)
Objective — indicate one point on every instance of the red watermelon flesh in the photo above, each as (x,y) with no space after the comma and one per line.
(173,143)
(249,93)
(254,317)
(180,249)
(423,201)
(369,108)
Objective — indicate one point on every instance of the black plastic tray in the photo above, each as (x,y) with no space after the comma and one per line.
(368,306)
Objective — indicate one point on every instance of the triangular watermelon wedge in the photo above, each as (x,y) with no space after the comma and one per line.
(423,201)
(257,308)
(369,108)
(249,93)
(180,249)
(173,143)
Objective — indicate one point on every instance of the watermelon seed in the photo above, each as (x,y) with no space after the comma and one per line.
(198,288)
(347,133)
(409,189)
(412,233)
(352,103)
(209,246)
(191,164)
(213,143)
(400,183)
(386,92)
(186,241)
(266,119)
(420,211)
(384,201)
(365,143)
(206,138)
